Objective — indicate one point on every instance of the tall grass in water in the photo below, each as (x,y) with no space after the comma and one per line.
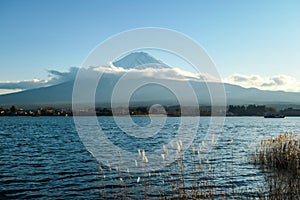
(279,159)
(192,177)
(281,153)
(187,178)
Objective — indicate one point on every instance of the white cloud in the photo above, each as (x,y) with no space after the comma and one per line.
(54,77)
(22,85)
(277,82)
(8,91)
(151,71)
(154,71)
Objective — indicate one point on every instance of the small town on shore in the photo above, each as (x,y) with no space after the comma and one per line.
(232,110)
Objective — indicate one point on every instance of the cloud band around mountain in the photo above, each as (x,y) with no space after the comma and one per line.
(278,82)
(56,77)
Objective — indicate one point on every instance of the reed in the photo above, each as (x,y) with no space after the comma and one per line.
(280,153)
(279,160)
(187,178)
(192,177)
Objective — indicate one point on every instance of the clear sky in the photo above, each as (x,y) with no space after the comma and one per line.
(245,39)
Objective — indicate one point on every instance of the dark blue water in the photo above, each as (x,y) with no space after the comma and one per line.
(43,157)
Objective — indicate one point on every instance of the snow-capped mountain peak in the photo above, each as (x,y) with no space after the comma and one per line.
(139,60)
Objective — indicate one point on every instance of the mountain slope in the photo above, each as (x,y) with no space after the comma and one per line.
(61,94)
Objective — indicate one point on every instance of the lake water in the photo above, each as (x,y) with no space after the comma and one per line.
(43,157)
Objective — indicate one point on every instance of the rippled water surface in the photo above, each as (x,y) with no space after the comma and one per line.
(43,157)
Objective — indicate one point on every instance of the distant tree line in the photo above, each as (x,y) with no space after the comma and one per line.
(250,110)
(14,111)
(290,112)
(232,110)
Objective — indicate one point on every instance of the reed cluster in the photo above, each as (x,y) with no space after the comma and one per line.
(279,159)
(189,177)
(281,153)
(192,177)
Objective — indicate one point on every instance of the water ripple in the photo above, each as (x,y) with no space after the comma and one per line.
(43,157)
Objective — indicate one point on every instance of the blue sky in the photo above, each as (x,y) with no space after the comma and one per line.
(244,38)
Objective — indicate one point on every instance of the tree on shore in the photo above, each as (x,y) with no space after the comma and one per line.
(13,109)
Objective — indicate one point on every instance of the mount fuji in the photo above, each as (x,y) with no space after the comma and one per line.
(141,65)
